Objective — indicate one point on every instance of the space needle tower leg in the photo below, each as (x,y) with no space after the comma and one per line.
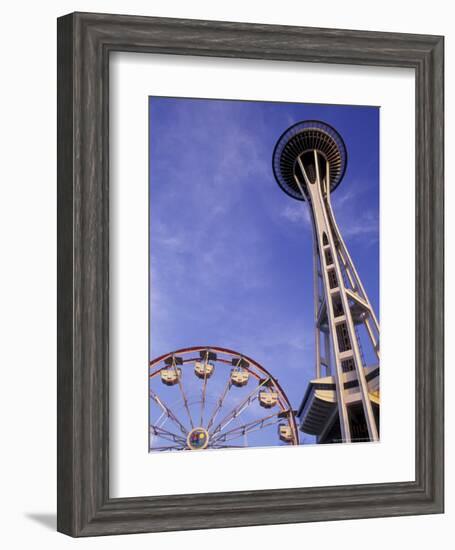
(309,162)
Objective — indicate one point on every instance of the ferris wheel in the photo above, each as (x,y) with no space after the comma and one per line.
(216,398)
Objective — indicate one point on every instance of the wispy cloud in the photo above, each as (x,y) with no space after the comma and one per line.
(356,221)
(297,213)
(366,226)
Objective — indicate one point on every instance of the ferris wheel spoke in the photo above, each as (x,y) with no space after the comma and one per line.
(252,430)
(168,448)
(182,391)
(204,390)
(237,411)
(162,420)
(168,412)
(166,434)
(249,427)
(219,404)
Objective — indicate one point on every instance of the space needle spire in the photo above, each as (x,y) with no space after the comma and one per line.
(342,402)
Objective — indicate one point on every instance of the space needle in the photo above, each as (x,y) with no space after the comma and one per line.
(341,404)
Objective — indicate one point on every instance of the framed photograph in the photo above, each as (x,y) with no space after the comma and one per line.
(250,274)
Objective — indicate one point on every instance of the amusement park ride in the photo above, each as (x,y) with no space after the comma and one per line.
(249,402)
(213,398)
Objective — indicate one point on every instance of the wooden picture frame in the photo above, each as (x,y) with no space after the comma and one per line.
(84,44)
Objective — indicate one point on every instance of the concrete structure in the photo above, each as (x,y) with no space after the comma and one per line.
(342,402)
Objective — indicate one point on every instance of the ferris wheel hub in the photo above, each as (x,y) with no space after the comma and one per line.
(198,439)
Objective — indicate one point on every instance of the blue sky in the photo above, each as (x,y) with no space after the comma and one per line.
(231,254)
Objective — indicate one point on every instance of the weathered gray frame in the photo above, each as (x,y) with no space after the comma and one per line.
(84,44)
